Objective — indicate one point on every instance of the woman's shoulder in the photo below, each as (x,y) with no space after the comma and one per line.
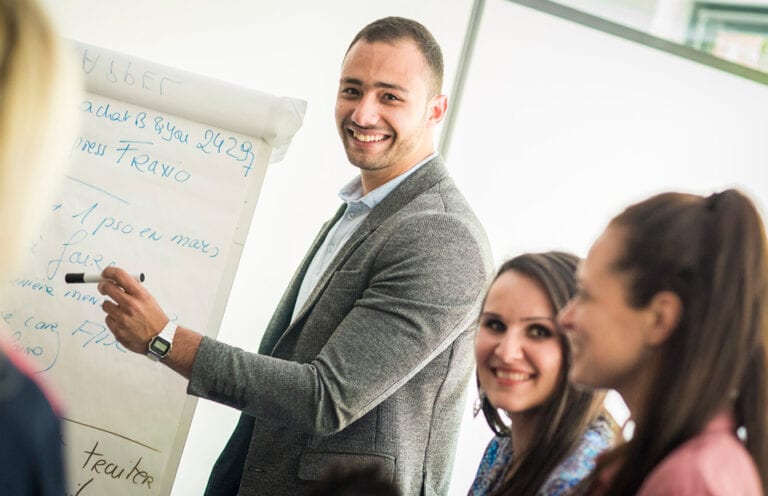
(581,461)
(496,458)
(25,409)
(712,463)
(598,437)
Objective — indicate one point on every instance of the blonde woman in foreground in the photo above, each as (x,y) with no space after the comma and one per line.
(38,102)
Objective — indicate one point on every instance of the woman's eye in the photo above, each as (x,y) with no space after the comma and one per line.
(494,325)
(540,331)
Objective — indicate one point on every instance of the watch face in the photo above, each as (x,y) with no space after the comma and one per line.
(159,346)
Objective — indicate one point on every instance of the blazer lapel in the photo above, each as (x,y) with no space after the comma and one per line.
(420,181)
(281,319)
(427,176)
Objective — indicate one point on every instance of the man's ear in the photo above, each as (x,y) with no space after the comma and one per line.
(665,311)
(438,107)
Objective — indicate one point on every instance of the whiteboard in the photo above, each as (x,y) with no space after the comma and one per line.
(164,179)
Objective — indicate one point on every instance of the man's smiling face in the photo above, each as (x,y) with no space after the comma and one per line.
(384,108)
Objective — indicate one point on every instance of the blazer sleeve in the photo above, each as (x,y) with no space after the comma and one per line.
(426,282)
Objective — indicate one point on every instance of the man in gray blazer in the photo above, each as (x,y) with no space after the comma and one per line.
(367,358)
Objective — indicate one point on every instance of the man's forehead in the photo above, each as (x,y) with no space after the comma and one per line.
(384,47)
(393,69)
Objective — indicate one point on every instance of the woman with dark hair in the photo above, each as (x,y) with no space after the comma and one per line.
(555,431)
(672,312)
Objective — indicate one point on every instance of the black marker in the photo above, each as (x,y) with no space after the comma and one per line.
(79,277)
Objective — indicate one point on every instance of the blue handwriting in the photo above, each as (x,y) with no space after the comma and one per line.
(99,335)
(34,339)
(145,163)
(35,286)
(200,245)
(78,296)
(90,147)
(105,111)
(93,261)
(215,142)
(168,131)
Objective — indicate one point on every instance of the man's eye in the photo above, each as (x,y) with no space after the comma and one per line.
(390,97)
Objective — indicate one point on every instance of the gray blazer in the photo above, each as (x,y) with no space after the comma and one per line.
(375,367)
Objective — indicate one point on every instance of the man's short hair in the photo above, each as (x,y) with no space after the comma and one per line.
(391,29)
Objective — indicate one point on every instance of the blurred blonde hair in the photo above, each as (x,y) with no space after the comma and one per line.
(39,91)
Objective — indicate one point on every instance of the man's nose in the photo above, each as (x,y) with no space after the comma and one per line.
(366,112)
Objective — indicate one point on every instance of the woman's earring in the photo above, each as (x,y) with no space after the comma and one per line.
(478,402)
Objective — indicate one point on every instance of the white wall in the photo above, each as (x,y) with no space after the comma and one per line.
(560,127)
(572,124)
(637,14)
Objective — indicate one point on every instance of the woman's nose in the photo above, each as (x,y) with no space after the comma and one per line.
(510,346)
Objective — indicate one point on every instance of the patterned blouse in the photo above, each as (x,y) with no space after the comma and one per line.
(563,479)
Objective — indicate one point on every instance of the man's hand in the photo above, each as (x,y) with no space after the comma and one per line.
(133,315)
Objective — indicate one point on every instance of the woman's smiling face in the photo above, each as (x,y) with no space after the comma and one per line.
(518,349)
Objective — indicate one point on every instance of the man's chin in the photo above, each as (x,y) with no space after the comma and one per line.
(365,164)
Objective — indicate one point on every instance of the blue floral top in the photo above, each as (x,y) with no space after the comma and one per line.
(563,479)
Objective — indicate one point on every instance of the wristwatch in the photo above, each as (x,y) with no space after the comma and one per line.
(160,345)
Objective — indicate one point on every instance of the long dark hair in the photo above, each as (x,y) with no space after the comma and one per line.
(565,417)
(712,253)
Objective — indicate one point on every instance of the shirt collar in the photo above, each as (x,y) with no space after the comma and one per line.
(352,192)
